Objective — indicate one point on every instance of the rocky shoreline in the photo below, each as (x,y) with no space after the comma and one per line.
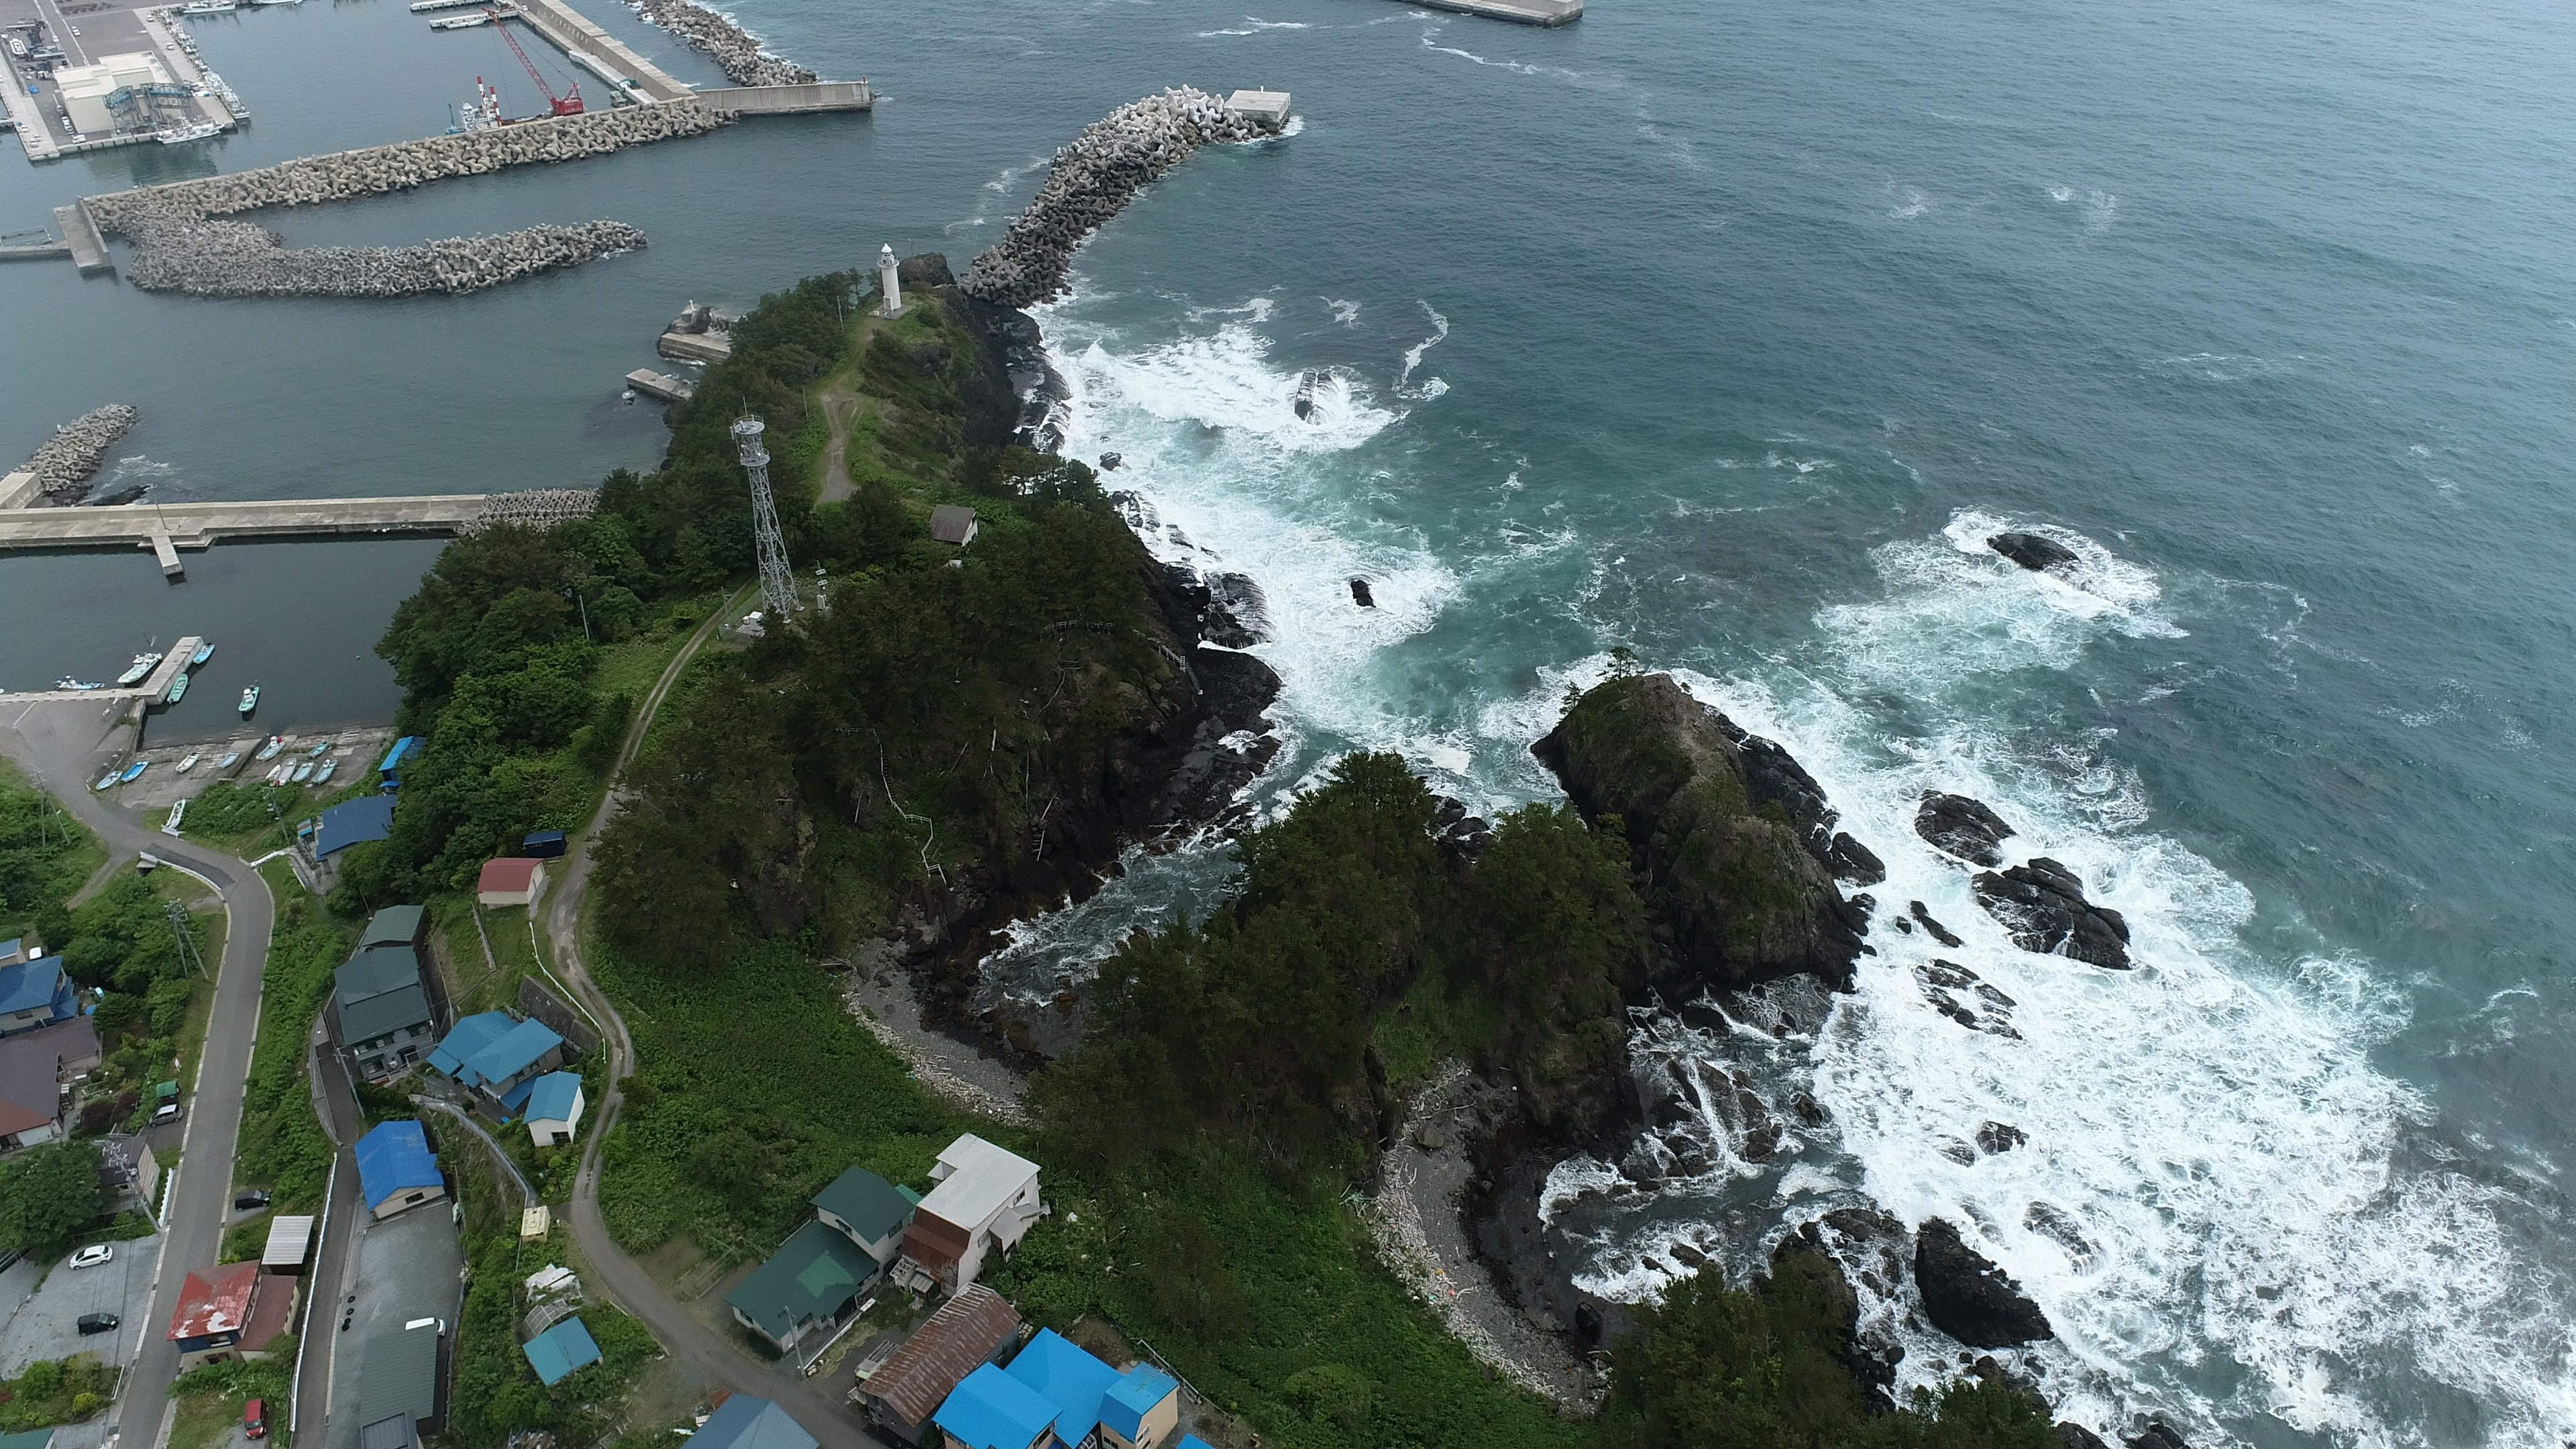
(182,246)
(65,462)
(1090,179)
(735,51)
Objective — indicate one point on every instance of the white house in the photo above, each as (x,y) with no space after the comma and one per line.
(986,1199)
(554,1109)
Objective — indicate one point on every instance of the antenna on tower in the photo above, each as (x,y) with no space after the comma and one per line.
(776,589)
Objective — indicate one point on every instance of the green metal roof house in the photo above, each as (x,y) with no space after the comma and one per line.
(868,1210)
(401,1388)
(811,1282)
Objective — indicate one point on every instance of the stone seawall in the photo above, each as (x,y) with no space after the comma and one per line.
(405,164)
(180,246)
(734,49)
(73,453)
(1090,180)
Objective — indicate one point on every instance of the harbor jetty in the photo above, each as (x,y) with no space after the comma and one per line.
(1525,12)
(66,460)
(1098,172)
(165,528)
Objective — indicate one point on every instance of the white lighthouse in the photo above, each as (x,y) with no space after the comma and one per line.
(889,283)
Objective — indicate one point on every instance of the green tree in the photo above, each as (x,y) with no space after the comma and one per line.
(50,1195)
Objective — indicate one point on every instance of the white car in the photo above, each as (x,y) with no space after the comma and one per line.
(94,1255)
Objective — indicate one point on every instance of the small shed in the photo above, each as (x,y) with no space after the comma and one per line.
(290,1244)
(950,523)
(544,844)
(513,880)
(554,1109)
(561,1351)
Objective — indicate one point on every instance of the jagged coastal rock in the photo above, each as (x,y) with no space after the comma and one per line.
(2032,551)
(2043,904)
(1968,1297)
(181,247)
(735,51)
(1738,894)
(1092,177)
(67,459)
(1962,826)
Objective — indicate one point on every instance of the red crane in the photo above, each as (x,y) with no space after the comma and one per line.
(561,105)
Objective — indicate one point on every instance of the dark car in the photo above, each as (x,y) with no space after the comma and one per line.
(97,1323)
(250,1200)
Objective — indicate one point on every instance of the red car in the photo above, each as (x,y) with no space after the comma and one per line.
(255,1420)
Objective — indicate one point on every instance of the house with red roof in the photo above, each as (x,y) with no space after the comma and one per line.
(228,1313)
(515,880)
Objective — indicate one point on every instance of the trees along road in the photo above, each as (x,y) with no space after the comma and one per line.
(625,1280)
(57,743)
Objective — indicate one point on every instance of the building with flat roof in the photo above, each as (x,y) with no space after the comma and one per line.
(985,1201)
(352,822)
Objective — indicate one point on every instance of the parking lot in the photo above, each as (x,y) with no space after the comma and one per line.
(42,1324)
(406,1267)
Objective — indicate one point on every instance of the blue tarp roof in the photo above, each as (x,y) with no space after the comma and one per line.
(551,1096)
(489,1047)
(560,1350)
(31,984)
(1135,1395)
(992,1410)
(403,748)
(748,1421)
(393,1158)
(1070,1379)
(10,946)
(353,822)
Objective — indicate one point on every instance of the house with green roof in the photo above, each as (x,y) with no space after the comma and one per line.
(386,1005)
(812,1282)
(868,1210)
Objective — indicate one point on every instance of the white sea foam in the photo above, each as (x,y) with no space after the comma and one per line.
(1429,387)
(1345,313)
(1254,25)
(2216,1173)
(1909,202)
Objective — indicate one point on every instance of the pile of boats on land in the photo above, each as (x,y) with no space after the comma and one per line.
(734,49)
(73,453)
(1091,179)
(181,246)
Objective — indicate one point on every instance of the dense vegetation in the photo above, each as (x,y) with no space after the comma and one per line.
(55,1391)
(50,1195)
(282,1144)
(44,855)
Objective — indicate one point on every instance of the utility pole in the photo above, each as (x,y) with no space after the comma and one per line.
(189,955)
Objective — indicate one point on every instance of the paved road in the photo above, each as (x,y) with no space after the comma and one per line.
(621,1277)
(335,1103)
(57,744)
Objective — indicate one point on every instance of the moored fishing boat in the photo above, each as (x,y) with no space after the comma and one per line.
(141,666)
(230,758)
(188,764)
(67,682)
(303,772)
(204,653)
(134,772)
(178,688)
(269,750)
(323,775)
(318,751)
(249,702)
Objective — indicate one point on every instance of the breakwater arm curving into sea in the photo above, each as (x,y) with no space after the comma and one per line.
(735,50)
(181,246)
(73,453)
(1094,176)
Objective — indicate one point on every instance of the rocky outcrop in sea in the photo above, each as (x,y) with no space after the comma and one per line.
(736,51)
(67,459)
(181,246)
(1092,177)
(1967,1297)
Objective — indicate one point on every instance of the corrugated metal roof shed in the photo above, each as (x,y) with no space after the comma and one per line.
(290,1240)
(966,1331)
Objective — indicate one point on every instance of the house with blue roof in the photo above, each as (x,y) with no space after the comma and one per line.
(352,822)
(1055,1395)
(748,1421)
(991,1409)
(396,1170)
(498,1057)
(554,1108)
(36,994)
(561,1351)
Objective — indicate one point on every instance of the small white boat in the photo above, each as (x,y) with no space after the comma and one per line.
(67,682)
(188,764)
(303,772)
(323,775)
(318,751)
(269,751)
(107,779)
(141,666)
(227,762)
(178,812)
(209,7)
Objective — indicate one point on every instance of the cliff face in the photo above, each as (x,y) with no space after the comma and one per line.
(1738,893)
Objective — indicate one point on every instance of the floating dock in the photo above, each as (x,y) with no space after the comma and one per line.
(660,385)
(1526,12)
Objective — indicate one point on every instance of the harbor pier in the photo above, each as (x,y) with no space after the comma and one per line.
(1525,12)
(166,528)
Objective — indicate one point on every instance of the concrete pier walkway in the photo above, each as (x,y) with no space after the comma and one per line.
(596,50)
(1526,12)
(165,528)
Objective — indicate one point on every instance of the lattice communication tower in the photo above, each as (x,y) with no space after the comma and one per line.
(776,589)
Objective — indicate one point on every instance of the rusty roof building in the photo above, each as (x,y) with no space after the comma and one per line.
(970,1330)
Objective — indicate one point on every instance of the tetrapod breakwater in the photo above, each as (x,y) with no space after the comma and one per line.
(181,247)
(1094,176)
(734,49)
(68,458)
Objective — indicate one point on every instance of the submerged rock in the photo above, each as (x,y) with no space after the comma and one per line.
(1964,827)
(2076,1436)
(2032,551)
(1729,880)
(1968,1297)
(1923,918)
(1360,594)
(1854,862)
(2157,1435)
(2043,905)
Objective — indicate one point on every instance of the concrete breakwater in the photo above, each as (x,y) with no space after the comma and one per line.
(740,56)
(73,453)
(1091,178)
(181,247)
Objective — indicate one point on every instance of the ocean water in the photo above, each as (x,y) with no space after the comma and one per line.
(1725,334)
